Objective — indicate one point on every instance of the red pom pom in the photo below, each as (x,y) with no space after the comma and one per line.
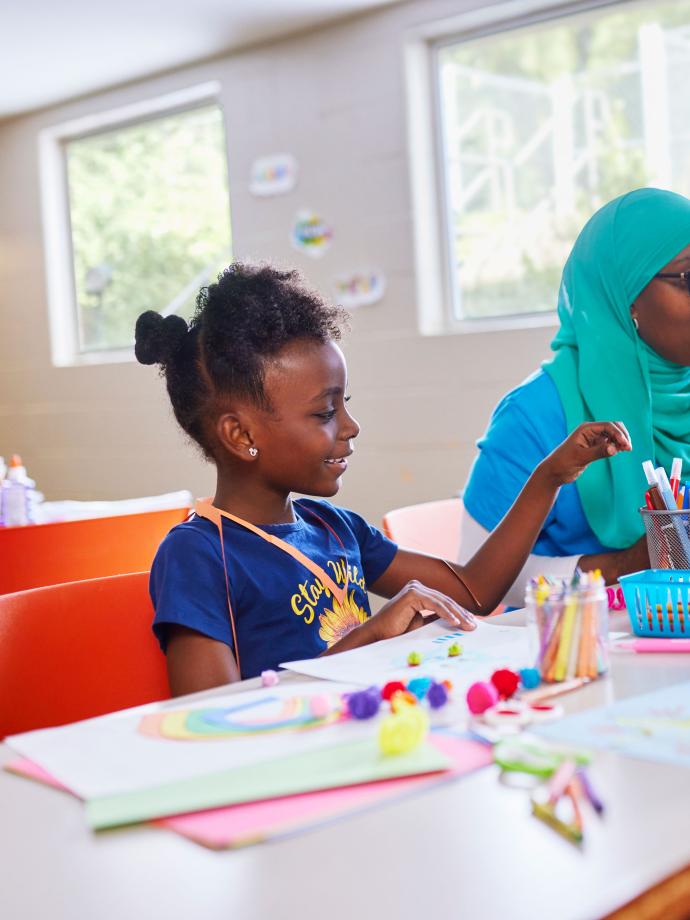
(392,687)
(506,682)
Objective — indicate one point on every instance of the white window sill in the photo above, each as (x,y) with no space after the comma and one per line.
(89,358)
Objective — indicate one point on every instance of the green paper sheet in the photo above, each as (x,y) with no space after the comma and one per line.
(326,768)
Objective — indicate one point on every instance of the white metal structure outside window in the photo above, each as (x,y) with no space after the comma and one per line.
(540,119)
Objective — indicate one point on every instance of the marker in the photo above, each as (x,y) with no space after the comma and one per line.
(546,814)
(681,498)
(588,790)
(676,470)
(686,497)
(561,780)
(654,493)
(653,645)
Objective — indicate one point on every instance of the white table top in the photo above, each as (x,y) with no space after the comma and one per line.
(467,849)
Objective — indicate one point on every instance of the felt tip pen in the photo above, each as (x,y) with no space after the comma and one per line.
(665,489)
(681,498)
(676,470)
(546,814)
(561,780)
(654,493)
(589,792)
(653,645)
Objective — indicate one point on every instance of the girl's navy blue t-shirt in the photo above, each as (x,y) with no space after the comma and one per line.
(282,611)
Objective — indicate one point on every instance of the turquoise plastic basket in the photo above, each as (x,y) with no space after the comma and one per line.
(658,602)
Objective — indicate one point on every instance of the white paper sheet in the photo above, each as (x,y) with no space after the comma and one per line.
(108,755)
(485,649)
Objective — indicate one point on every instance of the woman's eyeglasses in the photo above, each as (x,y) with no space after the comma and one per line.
(684,277)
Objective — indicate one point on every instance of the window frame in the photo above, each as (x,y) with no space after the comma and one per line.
(63,309)
(436,281)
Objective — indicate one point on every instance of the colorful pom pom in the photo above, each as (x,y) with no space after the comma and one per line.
(392,687)
(364,704)
(506,682)
(320,706)
(414,659)
(454,649)
(403,699)
(481,696)
(530,678)
(419,686)
(269,678)
(403,731)
(448,685)
(437,696)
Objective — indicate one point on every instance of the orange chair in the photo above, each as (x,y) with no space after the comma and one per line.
(49,554)
(431,527)
(73,651)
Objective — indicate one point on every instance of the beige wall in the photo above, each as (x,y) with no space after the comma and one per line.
(335,98)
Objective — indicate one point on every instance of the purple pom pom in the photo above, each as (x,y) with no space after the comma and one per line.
(364,704)
(437,696)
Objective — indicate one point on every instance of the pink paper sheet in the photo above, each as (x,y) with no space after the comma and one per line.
(240,825)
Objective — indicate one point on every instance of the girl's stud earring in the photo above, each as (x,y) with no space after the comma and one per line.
(253,451)
(635,323)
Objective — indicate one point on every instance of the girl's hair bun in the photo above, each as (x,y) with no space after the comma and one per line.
(157,338)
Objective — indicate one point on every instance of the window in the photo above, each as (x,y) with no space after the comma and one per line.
(542,124)
(148,223)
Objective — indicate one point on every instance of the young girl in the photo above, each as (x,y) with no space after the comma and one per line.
(257,578)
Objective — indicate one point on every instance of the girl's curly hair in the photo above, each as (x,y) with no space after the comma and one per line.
(242,320)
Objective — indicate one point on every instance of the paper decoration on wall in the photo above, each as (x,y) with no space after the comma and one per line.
(273,175)
(359,289)
(311,234)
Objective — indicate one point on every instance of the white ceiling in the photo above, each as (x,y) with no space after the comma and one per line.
(52,50)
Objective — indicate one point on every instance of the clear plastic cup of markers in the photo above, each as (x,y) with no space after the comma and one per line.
(568,630)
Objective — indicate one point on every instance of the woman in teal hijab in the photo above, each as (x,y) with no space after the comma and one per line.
(622,352)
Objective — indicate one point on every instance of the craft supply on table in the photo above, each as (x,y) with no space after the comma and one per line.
(652,726)
(652,646)
(565,786)
(568,626)
(658,602)
(667,524)
(485,648)
(256,822)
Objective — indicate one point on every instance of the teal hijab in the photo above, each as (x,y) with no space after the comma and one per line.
(604,371)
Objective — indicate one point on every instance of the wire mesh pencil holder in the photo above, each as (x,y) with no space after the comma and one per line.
(668,538)
(658,602)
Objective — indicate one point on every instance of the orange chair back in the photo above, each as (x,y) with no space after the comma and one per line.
(73,651)
(431,527)
(49,554)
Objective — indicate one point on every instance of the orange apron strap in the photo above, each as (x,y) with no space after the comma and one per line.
(216,519)
(211,513)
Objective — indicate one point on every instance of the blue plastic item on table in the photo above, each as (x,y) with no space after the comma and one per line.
(658,602)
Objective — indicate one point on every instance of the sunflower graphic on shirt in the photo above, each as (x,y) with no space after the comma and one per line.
(336,623)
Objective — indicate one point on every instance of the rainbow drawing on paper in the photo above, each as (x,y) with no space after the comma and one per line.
(260,717)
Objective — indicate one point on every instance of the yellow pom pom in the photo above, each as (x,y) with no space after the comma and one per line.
(403,731)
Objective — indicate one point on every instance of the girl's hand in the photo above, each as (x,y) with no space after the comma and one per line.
(591,441)
(411,608)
